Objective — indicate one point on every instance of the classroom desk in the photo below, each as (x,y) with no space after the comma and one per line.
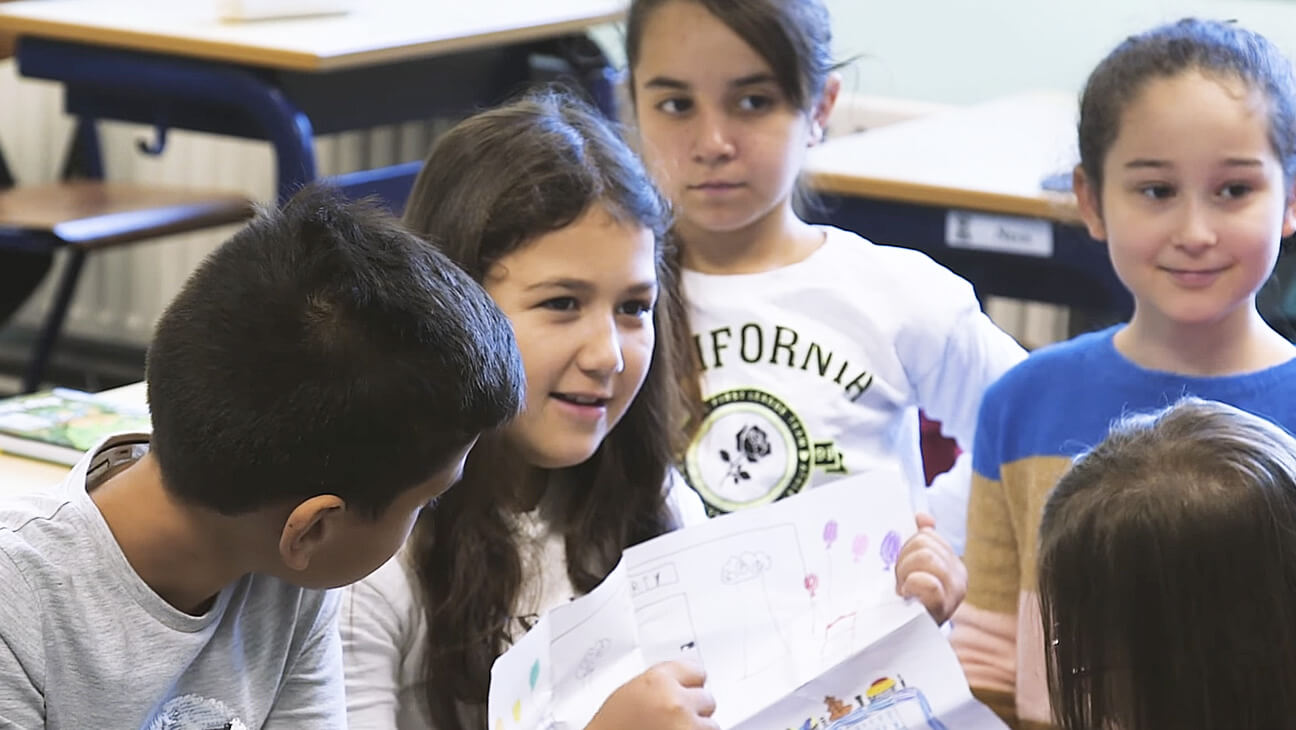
(21,473)
(175,65)
(964,186)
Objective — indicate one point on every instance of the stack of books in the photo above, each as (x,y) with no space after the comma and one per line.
(60,425)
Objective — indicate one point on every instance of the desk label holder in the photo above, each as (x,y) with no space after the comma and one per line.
(998,233)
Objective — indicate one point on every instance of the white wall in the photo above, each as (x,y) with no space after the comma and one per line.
(964,51)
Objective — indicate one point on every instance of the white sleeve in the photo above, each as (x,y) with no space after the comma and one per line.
(22,656)
(952,352)
(376,635)
(311,695)
(682,501)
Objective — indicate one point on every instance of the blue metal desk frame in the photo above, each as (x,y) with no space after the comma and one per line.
(287,108)
(1078,274)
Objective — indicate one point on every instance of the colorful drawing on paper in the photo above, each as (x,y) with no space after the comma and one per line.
(890,550)
(839,638)
(887,704)
(859,546)
(811,584)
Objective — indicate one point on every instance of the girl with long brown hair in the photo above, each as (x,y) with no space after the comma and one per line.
(542,203)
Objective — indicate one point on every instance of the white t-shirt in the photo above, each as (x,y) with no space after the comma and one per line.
(86,643)
(817,370)
(384,628)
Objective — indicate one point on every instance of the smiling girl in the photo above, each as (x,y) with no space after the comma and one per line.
(543,204)
(1188,152)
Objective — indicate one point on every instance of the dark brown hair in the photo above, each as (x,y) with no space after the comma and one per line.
(793,36)
(490,185)
(324,349)
(1221,49)
(1167,569)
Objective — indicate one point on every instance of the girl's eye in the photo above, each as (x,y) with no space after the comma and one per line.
(637,308)
(755,102)
(675,105)
(1233,191)
(560,304)
(1156,191)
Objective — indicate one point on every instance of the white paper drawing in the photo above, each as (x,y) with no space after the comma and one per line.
(790,607)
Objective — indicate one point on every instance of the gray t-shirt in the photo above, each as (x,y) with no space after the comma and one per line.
(85,643)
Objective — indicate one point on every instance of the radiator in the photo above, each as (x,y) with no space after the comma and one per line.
(123,291)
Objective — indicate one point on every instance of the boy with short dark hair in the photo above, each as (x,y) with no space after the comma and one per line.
(318,380)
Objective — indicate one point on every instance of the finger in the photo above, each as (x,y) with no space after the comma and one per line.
(700,701)
(688,674)
(922,541)
(925,521)
(929,591)
(927,541)
(923,560)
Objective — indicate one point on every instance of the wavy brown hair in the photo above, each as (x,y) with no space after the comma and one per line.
(493,183)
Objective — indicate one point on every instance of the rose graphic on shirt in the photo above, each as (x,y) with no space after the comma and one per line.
(752,444)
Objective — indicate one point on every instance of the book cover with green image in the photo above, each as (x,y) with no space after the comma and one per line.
(59,425)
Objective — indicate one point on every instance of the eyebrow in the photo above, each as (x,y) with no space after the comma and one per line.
(666,82)
(1144,163)
(581,286)
(643,287)
(762,77)
(561,283)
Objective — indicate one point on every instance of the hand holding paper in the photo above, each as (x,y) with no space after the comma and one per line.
(930,571)
(668,696)
(791,608)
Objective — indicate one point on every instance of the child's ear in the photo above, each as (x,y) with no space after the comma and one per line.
(1289,214)
(309,526)
(1090,208)
(823,109)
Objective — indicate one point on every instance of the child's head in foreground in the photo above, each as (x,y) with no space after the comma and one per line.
(1166,574)
(325,370)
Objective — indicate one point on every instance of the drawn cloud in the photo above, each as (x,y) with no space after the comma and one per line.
(745,567)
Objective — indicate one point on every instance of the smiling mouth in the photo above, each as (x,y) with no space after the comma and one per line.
(1194,272)
(581,400)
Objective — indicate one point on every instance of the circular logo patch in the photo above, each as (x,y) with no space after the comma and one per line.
(751,449)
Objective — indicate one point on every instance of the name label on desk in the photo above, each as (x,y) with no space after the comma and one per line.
(999,233)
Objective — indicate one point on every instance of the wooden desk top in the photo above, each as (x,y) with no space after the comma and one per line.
(988,157)
(19,473)
(376,31)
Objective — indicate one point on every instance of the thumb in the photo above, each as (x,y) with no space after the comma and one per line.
(924,520)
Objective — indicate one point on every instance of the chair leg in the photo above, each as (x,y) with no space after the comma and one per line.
(53,324)
(6,175)
(84,157)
